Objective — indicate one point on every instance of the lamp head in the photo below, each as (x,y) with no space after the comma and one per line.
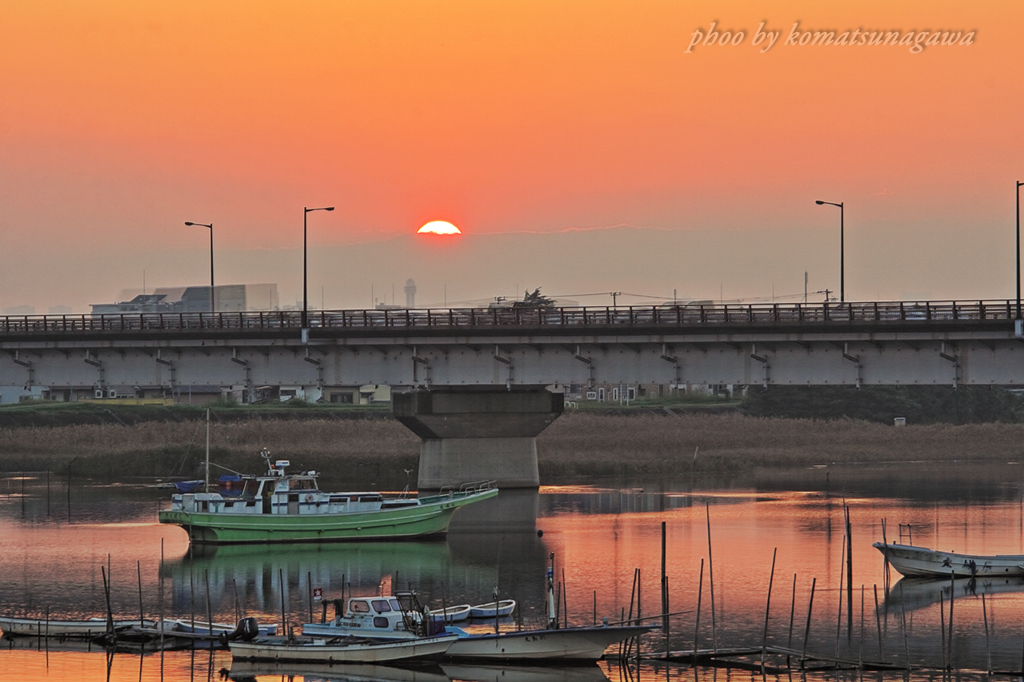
(329,208)
(189,224)
(820,203)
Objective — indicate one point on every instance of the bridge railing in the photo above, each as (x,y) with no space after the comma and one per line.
(683,315)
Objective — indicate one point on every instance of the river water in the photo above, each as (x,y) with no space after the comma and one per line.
(721,538)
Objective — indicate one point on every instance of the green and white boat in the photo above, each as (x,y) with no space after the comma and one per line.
(283,507)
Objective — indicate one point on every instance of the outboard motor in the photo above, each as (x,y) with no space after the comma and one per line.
(246,631)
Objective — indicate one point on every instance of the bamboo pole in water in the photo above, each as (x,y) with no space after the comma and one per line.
(106,594)
(160,579)
(664,589)
(807,630)
(767,610)
(309,589)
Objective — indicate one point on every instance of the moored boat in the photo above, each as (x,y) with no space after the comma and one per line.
(452,614)
(498,609)
(573,644)
(89,628)
(399,616)
(920,562)
(283,507)
(342,650)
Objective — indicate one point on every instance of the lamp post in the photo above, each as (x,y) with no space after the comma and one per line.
(842,288)
(305,298)
(209,225)
(1019,183)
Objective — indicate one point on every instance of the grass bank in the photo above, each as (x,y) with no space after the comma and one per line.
(577,446)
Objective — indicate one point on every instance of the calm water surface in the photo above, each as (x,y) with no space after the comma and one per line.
(600,536)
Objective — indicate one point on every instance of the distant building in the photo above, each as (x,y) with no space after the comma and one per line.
(228,298)
(20,310)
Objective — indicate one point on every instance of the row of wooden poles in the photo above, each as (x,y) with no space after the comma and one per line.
(631,649)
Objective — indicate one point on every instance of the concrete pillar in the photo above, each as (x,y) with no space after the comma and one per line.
(478,433)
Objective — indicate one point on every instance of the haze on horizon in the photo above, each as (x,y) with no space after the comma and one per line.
(577,146)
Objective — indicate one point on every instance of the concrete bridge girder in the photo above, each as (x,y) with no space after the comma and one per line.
(460,361)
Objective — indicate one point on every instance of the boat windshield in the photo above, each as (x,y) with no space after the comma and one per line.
(303,484)
(381,605)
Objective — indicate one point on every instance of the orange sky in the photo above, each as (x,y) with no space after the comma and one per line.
(121,120)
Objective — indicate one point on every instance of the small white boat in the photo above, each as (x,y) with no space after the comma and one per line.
(492,609)
(452,614)
(89,628)
(562,644)
(920,562)
(396,617)
(342,651)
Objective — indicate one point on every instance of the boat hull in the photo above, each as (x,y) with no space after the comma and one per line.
(67,629)
(567,644)
(363,652)
(429,518)
(503,608)
(920,562)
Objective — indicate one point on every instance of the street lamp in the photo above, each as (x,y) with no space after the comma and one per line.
(209,225)
(1019,183)
(305,313)
(842,288)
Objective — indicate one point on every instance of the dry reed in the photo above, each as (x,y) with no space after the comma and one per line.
(578,444)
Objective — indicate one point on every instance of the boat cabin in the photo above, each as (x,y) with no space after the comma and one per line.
(280,493)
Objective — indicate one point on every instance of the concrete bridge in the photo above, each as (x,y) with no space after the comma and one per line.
(477,385)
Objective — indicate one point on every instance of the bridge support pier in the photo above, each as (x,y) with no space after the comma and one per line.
(478,433)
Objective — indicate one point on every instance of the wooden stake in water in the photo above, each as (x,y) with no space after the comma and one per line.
(839,614)
(284,614)
(952,593)
(309,588)
(878,624)
(142,615)
(711,582)
(792,616)
(106,593)
(807,630)
(767,610)
(209,611)
(988,645)
(664,589)
(942,628)
(849,575)
(696,627)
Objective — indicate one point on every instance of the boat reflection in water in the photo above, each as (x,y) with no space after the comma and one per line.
(248,671)
(910,594)
(462,568)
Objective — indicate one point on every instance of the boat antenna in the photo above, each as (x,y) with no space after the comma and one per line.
(265,454)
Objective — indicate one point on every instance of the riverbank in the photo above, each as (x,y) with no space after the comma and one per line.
(375,448)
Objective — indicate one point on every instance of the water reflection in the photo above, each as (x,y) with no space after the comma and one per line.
(599,536)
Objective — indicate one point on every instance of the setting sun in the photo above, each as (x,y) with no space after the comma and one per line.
(439,227)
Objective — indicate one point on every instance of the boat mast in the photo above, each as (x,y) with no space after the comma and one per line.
(207,449)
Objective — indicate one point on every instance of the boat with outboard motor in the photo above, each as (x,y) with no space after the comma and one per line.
(399,616)
(921,562)
(286,507)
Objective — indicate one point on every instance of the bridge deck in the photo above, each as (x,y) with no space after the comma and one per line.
(958,314)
